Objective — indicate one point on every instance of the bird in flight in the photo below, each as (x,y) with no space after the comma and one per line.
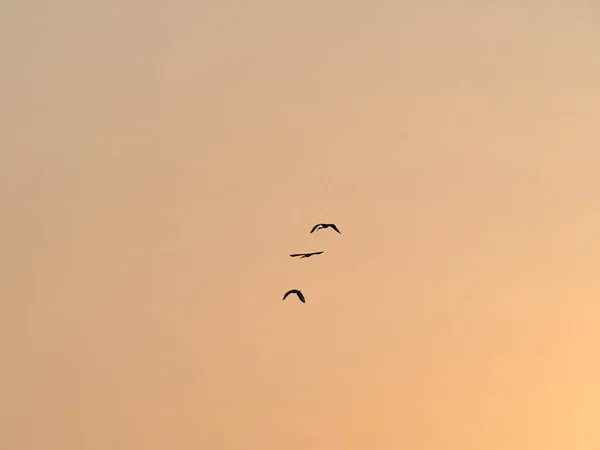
(297,292)
(305,255)
(323,226)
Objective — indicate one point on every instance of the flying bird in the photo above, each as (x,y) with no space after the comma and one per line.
(305,255)
(323,226)
(297,292)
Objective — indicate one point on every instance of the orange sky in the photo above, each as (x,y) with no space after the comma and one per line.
(160,160)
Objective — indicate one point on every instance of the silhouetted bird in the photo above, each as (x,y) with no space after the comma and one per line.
(325,225)
(297,292)
(305,255)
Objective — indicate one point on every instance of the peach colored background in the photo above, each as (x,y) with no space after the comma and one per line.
(160,160)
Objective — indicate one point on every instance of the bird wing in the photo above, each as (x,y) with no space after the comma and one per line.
(316,253)
(288,293)
(335,228)
(301,297)
(315,227)
(296,254)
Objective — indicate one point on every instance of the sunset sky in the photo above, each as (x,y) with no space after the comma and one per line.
(159,161)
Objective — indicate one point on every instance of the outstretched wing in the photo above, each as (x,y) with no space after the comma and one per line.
(301,297)
(297,254)
(293,291)
(335,228)
(316,253)
(315,227)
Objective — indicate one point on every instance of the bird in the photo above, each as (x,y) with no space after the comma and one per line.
(324,225)
(305,255)
(297,292)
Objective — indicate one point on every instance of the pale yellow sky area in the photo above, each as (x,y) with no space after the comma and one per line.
(159,161)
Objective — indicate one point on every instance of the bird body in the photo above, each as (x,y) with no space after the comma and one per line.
(297,292)
(305,255)
(323,226)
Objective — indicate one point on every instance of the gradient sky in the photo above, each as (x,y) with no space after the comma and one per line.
(160,160)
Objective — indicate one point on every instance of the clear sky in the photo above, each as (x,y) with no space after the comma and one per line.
(159,161)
